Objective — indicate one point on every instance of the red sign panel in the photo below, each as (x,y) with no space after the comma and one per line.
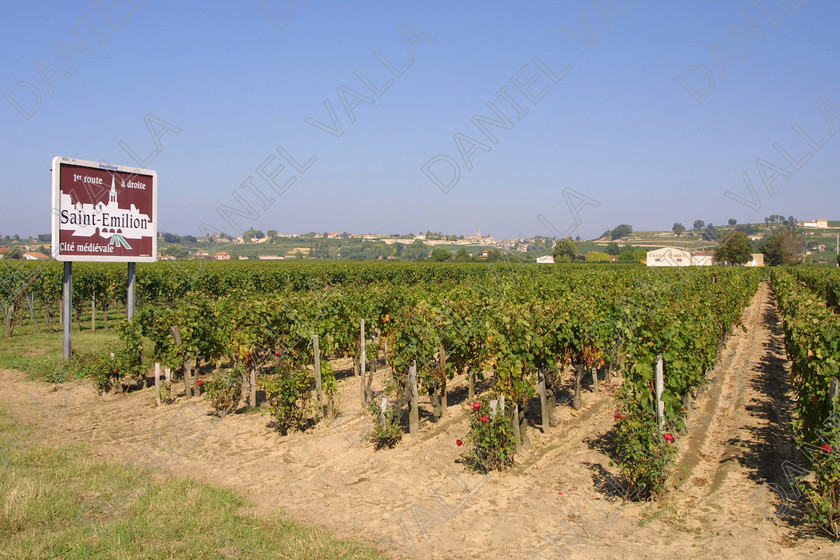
(103,212)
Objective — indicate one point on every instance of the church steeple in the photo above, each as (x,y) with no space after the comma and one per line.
(112,197)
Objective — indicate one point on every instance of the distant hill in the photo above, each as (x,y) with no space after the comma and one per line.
(820,243)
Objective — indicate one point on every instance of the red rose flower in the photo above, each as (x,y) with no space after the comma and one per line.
(459,442)
(485,419)
(476,405)
(199,383)
(826,448)
(668,437)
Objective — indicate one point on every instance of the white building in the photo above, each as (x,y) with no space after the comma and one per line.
(822,224)
(548,259)
(672,256)
(757,260)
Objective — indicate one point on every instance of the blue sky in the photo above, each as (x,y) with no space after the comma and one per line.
(227,83)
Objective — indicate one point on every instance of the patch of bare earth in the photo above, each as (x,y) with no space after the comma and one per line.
(555,503)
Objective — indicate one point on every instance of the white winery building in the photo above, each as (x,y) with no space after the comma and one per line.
(672,256)
(820,223)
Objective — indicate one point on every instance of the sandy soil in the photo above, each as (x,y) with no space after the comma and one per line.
(556,502)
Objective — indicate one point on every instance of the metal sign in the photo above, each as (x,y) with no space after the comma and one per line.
(103,212)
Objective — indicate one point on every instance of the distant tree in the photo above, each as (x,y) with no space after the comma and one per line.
(735,249)
(540,243)
(171,238)
(732,221)
(494,255)
(699,224)
(577,237)
(612,249)
(678,228)
(439,254)
(621,230)
(272,233)
(463,255)
(791,223)
(632,255)
(749,229)
(710,233)
(321,250)
(566,250)
(784,248)
(298,254)
(416,250)
(189,238)
(44,237)
(452,237)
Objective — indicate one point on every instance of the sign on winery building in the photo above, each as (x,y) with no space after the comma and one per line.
(103,212)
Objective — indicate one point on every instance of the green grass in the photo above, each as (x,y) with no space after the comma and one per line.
(42,354)
(57,502)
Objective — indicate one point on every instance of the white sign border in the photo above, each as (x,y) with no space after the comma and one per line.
(56,200)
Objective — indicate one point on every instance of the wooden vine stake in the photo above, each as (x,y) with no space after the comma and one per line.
(319,391)
(514,422)
(93,312)
(543,401)
(176,334)
(835,389)
(413,410)
(167,375)
(659,385)
(577,400)
(252,396)
(362,364)
(157,383)
(374,367)
(383,406)
(444,400)
(595,380)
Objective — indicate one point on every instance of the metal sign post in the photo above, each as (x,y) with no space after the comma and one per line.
(67,286)
(132,284)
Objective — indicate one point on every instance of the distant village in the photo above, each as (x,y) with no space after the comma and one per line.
(679,247)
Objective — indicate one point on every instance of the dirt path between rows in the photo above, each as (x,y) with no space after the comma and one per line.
(555,503)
